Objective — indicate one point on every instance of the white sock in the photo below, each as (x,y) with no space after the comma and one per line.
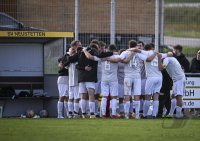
(126,107)
(70,106)
(131,107)
(96,107)
(137,107)
(76,107)
(60,108)
(66,107)
(103,105)
(173,106)
(146,107)
(83,105)
(114,106)
(92,107)
(178,111)
(155,108)
(121,108)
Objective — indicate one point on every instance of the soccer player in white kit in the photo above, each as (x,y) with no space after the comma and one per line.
(153,82)
(63,87)
(132,77)
(175,71)
(74,96)
(109,80)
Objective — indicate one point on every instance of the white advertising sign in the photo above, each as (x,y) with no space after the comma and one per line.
(191,103)
(192,93)
(191,98)
(193,82)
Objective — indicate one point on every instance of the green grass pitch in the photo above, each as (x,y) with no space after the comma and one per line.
(52,129)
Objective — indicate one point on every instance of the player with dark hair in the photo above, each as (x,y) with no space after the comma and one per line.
(63,86)
(185,64)
(175,71)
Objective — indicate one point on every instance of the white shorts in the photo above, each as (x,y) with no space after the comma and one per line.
(109,88)
(153,85)
(120,90)
(132,86)
(73,92)
(98,87)
(179,87)
(63,80)
(83,86)
(143,83)
(63,90)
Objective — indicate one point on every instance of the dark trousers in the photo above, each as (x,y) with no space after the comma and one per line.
(164,100)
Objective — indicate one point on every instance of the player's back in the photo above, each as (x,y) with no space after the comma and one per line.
(152,69)
(109,70)
(174,68)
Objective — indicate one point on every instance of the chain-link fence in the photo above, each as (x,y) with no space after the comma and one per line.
(134,19)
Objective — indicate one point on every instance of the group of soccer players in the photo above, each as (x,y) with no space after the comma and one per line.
(132,76)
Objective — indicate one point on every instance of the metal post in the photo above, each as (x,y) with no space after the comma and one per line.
(64,45)
(76,19)
(156,25)
(162,23)
(112,22)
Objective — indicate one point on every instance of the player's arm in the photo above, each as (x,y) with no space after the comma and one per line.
(134,50)
(105,54)
(127,59)
(113,60)
(150,58)
(89,56)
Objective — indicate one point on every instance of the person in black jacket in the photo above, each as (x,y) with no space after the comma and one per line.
(164,97)
(62,83)
(87,75)
(185,64)
(195,65)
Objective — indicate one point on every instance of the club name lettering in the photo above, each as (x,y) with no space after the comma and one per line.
(26,34)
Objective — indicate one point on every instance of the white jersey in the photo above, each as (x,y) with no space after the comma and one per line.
(73,75)
(152,69)
(120,73)
(132,68)
(174,69)
(109,70)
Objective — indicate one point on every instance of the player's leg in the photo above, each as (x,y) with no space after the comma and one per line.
(84,95)
(127,96)
(121,98)
(76,102)
(137,94)
(66,96)
(114,95)
(148,93)
(105,93)
(142,97)
(60,107)
(71,102)
(179,95)
(97,94)
(91,90)
(62,89)
(156,92)
(66,105)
